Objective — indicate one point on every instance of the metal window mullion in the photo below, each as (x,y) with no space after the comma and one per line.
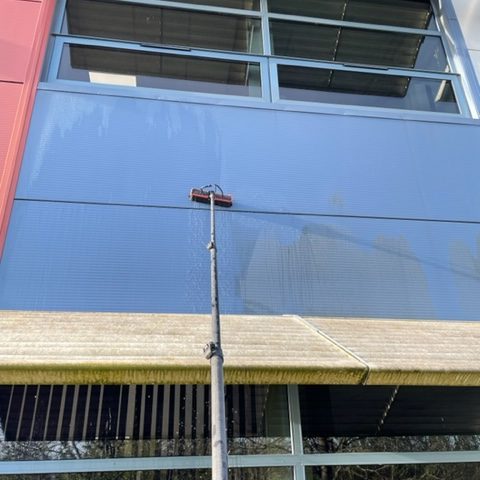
(193,6)
(357,25)
(274,85)
(460,97)
(463,86)
(59,15)
(267,47)
(55,60)
(296,430)
(265,80)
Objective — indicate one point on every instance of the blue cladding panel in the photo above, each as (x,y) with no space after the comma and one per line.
(63,254)
(117,149)
(88,257)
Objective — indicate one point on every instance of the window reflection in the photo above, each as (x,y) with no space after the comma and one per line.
(156,70)
(72,422)
(367,89)
(397,472)
(400,13)
(350,45)
(161,25)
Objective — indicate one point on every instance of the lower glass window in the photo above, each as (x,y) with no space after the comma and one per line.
(366,89)
(398,472)
(110,421)
(157,70)
(265,473)
(345,419)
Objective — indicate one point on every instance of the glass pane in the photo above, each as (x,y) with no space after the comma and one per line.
(166,26)
(243,4)
(349,45)
(264,473)
(411,443)
(345,419)
(71,422)
(398,13)
(401,13)
(156,70)
(398,472)
(367,89)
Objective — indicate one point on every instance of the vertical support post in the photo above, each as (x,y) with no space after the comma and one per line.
(296,431)
(215,355)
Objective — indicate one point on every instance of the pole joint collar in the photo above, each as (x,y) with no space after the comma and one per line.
(212,349)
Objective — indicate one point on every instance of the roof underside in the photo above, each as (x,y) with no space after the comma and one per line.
(128,348)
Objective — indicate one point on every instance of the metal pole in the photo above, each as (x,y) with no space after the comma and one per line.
(215,355)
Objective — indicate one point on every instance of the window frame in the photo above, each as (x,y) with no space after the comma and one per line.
(297,460)
(270,97)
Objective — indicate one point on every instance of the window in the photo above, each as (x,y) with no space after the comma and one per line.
(275,432)
(369,53)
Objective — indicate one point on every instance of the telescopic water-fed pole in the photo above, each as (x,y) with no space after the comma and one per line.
(214,195)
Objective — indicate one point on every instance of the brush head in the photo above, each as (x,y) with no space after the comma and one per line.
(203,196)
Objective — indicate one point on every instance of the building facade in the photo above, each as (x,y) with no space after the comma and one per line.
(346,131)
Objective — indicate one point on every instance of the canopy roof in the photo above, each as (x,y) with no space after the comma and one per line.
(120,348)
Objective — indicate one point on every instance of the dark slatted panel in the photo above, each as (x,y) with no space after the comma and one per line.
(90,412)
(317,79)
(166,26)
(400,13)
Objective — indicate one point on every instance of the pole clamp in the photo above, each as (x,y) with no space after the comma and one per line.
(212,349)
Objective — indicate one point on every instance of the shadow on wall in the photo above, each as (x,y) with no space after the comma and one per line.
(326,271)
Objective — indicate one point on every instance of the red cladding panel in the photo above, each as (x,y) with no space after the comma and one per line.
(24,30)
(10,98)
(18,27)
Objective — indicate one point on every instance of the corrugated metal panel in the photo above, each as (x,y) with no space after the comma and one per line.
(62,256)
(130,150)
(18,30)
(23,36)
(96,348)
(10,97)
(410,352)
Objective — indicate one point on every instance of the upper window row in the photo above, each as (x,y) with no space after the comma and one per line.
(401,13)
(298,39)
(380,53)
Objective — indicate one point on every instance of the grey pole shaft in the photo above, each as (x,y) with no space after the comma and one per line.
(219,428)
